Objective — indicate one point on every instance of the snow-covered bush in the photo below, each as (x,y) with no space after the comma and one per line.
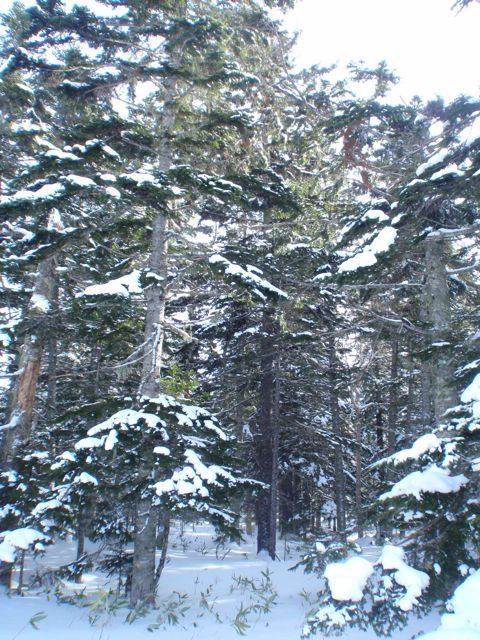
(361,593)
(433,513)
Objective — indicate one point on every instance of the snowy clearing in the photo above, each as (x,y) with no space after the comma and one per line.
(215,587)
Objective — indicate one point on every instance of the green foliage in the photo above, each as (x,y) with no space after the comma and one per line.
(261,597)
(178,382)
(102,606)
(322,554)
(240,623)
(36,618)
(172,611)
(379,608)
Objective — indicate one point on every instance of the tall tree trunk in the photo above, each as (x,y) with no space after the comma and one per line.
(23,391)
(155,294)
(143,584)
(379,427)
(385,531)
(263,439)
(339,474)
(163,542)
(358,426)
(411,429)
(52,346)
(22,397)
(94,366)
(80,531)
(358,476)
(275,456)
(379,430)
(393,399)
(437,298)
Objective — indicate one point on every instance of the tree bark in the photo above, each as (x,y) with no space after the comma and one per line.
(23,391)
(22,397)
(339,475)
(275,456)
(411,429)
(358,476)
(143,586)
(393,399)
(52,346)
(263,451)
(163,542)
(155,294)
(437,299)
(263,437)
(358,426)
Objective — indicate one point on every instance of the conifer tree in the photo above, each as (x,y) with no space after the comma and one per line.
(429,508)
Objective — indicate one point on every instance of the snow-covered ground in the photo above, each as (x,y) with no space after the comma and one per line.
(215,593)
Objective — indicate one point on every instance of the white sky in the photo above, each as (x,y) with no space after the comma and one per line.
(434,50)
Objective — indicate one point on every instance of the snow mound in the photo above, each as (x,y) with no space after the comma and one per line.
(40,303)
(348,579)
(464,621)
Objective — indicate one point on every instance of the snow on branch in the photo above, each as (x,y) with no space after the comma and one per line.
(347,580)
(425,444)
(247,278)
(124,287)
(368,256)
(412,580)
(19,540)
(434,479)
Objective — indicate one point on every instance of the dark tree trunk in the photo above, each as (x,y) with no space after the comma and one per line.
(358,477)
(263,437)
(411,428)
(163,542)
(437,297)
(22,399)
(95,366)
(339,475)
(358,426)
(80,545)
(23,391)
(275,456)
(392,414)
(286,502)
(24,388)
(51,409)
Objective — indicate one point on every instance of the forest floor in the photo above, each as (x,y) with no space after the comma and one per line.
(205,592)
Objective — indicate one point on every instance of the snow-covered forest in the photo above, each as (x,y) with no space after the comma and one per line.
(240,329)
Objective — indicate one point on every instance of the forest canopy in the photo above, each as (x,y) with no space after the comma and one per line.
(236,292)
